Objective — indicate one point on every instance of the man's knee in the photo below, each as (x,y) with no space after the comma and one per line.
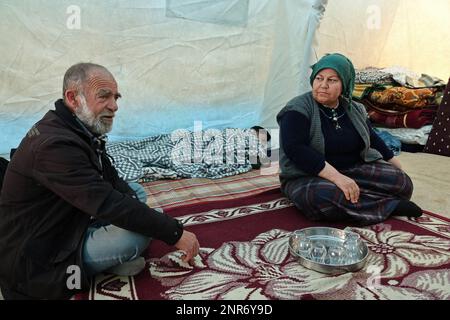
(130,243)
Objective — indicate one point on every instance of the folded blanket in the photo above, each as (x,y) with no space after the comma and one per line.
(204,154)
(410,79)
(373,76)
(396,116)
(392,108)
(362,90)
(410,136)
(413,119)
(411,98)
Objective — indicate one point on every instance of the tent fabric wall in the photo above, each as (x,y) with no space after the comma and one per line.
(383,33)
(227,63)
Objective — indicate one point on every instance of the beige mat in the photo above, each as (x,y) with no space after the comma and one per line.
(431,177)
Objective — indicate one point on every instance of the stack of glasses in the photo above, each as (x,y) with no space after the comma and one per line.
(329,252)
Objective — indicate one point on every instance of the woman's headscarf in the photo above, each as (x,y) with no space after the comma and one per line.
(344,68)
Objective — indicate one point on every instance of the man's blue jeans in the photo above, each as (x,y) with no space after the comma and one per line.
(106,246)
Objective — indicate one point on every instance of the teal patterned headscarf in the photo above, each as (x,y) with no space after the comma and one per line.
(344,68)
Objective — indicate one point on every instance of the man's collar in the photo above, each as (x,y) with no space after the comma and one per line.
(72,120)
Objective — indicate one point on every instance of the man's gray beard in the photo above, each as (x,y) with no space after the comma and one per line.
(88,118)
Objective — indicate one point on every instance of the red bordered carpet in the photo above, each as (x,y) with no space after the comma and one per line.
(244,255)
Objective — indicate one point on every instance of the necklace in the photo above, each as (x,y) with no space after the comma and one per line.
(334,117)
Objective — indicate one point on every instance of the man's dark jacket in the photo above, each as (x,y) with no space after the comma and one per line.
(57,180)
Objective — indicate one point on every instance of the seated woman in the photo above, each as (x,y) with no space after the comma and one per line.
(333,165)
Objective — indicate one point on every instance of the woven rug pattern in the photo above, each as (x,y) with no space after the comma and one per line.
(175,193)
(244,256)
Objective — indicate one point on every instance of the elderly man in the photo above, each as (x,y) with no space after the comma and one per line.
(64,211)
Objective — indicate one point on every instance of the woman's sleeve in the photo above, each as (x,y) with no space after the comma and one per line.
(294,130)
(377,143)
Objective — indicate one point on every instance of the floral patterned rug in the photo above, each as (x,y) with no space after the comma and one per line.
(244,255)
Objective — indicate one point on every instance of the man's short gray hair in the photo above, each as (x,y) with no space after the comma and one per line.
(78,73)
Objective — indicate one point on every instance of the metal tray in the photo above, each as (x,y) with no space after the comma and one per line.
(328,237)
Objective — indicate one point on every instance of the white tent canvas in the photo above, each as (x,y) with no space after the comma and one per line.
(229,63)
(383,33)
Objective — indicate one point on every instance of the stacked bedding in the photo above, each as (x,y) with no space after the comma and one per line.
(400,102)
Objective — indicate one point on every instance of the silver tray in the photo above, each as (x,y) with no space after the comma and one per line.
(329,237)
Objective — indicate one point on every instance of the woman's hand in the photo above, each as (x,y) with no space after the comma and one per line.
(348,186)
(395,162)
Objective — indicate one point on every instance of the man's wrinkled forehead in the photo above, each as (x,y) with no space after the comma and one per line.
(101,80)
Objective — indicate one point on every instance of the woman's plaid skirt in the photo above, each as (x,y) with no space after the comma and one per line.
(381,184)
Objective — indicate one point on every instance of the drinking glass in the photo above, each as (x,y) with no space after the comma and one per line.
(318,252)
(352,247)
(336,255)
(304,245)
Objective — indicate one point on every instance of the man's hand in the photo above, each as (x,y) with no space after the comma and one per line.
(189,244)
